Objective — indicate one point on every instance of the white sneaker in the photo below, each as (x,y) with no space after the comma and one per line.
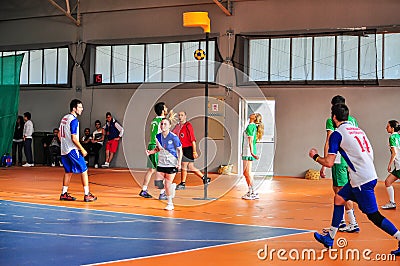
(388,206)
(246,196)
(106,165)
(173,188)
(169,207)
(96,166)
(27,165)
(61,165)
(350,228)
(53,164)
(254,196)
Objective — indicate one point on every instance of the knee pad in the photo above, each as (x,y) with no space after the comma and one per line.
(159,184)
(376,218)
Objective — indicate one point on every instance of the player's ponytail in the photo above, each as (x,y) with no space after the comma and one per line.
(260,126)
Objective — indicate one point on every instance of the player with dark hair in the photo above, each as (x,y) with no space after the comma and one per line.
(356,149)
(392,128)
(161,111)
(340,175)
(72,152)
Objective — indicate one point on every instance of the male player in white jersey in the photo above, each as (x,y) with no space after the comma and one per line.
(354,146)
(72,152)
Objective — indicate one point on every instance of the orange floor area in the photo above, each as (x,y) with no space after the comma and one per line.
(284,202)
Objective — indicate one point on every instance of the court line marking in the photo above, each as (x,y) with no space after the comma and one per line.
(95,212)
(194,249)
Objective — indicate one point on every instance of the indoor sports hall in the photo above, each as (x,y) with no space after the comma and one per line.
(219,62)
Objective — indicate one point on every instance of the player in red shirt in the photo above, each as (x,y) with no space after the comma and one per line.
(184,130)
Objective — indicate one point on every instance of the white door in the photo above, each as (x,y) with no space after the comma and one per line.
(266,146)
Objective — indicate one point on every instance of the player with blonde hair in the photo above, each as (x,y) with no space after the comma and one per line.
(253,132)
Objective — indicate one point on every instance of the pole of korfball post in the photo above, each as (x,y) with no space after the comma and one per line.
(201,19)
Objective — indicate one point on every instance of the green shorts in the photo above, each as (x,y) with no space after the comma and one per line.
(396,173)
(340,175)
(248,158)
(152,159)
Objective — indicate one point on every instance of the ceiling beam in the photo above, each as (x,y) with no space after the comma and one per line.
(227,10)
(67,12)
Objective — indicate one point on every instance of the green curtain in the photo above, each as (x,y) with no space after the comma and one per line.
(10,68)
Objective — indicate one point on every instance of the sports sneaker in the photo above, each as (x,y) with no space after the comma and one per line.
(246,196)
(397,251)
(326,240)
(106,165)
(28,165)
(96,166)
(350,228)
(206,180)
(169,207)
(342,224)
(254,196)
(89,197)
(389,206)
(67,197)
(181,186)
(61,165)
(145,194)
(173,190)
(53,165)
(162,196)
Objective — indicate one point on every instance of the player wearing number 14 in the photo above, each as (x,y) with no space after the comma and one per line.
(354,146)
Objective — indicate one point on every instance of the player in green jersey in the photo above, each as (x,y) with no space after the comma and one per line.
(340,171)
(161,111)
(392,128)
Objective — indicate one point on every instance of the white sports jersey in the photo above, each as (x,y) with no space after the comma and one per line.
(69,126)
(354,146)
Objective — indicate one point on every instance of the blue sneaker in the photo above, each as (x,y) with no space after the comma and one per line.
(162,196)
(342,224)
(397,251)
(145,194)
(326,240)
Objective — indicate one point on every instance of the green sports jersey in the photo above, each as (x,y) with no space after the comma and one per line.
(251,131)
(155,129)
(394,141)
(329,126)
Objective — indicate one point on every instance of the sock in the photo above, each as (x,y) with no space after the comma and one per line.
(351,216)
(162,191)
(86,189)
(183,183)
(332,231)
(251,189)
(338,211)
(169,198)
(390,192)
(64,189)
(144,188)
(388,227)
(397,235)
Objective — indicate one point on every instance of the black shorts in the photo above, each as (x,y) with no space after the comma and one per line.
(167,170)
(187,154)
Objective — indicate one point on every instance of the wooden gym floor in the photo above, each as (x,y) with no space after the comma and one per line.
(225,231)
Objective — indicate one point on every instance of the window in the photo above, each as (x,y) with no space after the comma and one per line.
(353,57)
(43,66)
(153,62)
